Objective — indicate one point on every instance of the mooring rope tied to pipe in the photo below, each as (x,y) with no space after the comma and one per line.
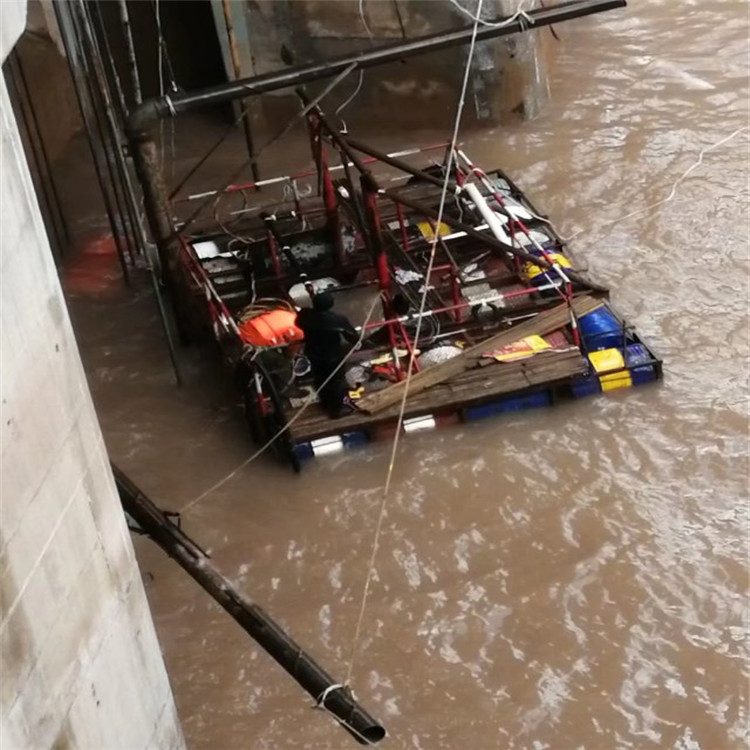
(420,316)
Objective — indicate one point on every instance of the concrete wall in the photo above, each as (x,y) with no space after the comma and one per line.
(49,81)
(508,75)
(81,666)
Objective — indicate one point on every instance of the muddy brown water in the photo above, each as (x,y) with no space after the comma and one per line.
(567,578)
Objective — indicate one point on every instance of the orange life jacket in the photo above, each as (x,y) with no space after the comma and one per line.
(272,328)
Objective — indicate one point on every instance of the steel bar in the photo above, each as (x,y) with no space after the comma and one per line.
(226,7)
(295,76)
(111,134)
(327,692)
(68,35)
(135,81)
(130,195)
(101,107)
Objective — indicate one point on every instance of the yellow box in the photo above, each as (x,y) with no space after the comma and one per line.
(611,361)
(426,228)
(615,380)
(532,270)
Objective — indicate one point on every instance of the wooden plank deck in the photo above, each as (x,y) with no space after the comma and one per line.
(469,388)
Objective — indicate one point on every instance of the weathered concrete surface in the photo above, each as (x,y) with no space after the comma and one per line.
(81,665)
(508,75)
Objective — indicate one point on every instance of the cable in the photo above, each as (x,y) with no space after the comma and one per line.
(303,408)
(410,369)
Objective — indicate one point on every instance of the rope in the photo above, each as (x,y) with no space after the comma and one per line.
(669,197)
(310,400)
(410,369)
(678,181)
(522,14)
(364,21)
(321,705)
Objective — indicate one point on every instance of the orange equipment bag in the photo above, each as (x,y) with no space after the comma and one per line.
(272,328)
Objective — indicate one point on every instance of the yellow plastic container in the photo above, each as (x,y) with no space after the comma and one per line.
(532,270)
(428,232)
(606,363)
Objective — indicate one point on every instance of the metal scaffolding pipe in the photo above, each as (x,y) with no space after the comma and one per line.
(68,33)
(135,81)
(330,695)
(109,132)
(127,182)
(162,107)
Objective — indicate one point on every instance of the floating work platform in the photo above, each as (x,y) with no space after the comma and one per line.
(451,265)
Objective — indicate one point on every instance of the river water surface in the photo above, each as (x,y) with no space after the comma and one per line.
(561,579)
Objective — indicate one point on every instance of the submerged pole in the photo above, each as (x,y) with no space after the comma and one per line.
(335,698)
(68,34)
(226,6)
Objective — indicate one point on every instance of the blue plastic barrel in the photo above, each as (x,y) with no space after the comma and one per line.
(601,330)
(637,359)
(587,386)
(509,403)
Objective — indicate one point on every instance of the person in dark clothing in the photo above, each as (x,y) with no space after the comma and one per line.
(326,332)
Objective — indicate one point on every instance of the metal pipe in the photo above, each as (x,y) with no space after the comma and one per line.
(226,6)
(335,698)
(135,80)
(295,76)
(68,34)
(132,203)
(109,131)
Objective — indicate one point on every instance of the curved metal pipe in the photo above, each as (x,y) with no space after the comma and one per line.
(334,698)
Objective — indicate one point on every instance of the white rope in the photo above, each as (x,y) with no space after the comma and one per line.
(670,196)
(679,180)
(522,14)
(364,21)
(392,461)
(310,400)
(351,98)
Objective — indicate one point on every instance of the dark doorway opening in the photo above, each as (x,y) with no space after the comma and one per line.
(190,53)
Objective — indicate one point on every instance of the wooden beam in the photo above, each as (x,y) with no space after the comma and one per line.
(546,322)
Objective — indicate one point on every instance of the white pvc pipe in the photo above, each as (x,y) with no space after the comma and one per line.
(490,217)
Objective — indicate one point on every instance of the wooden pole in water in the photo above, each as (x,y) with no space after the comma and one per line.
(335,698)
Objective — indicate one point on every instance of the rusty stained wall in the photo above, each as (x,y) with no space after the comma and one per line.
(80,664)
(508,75)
